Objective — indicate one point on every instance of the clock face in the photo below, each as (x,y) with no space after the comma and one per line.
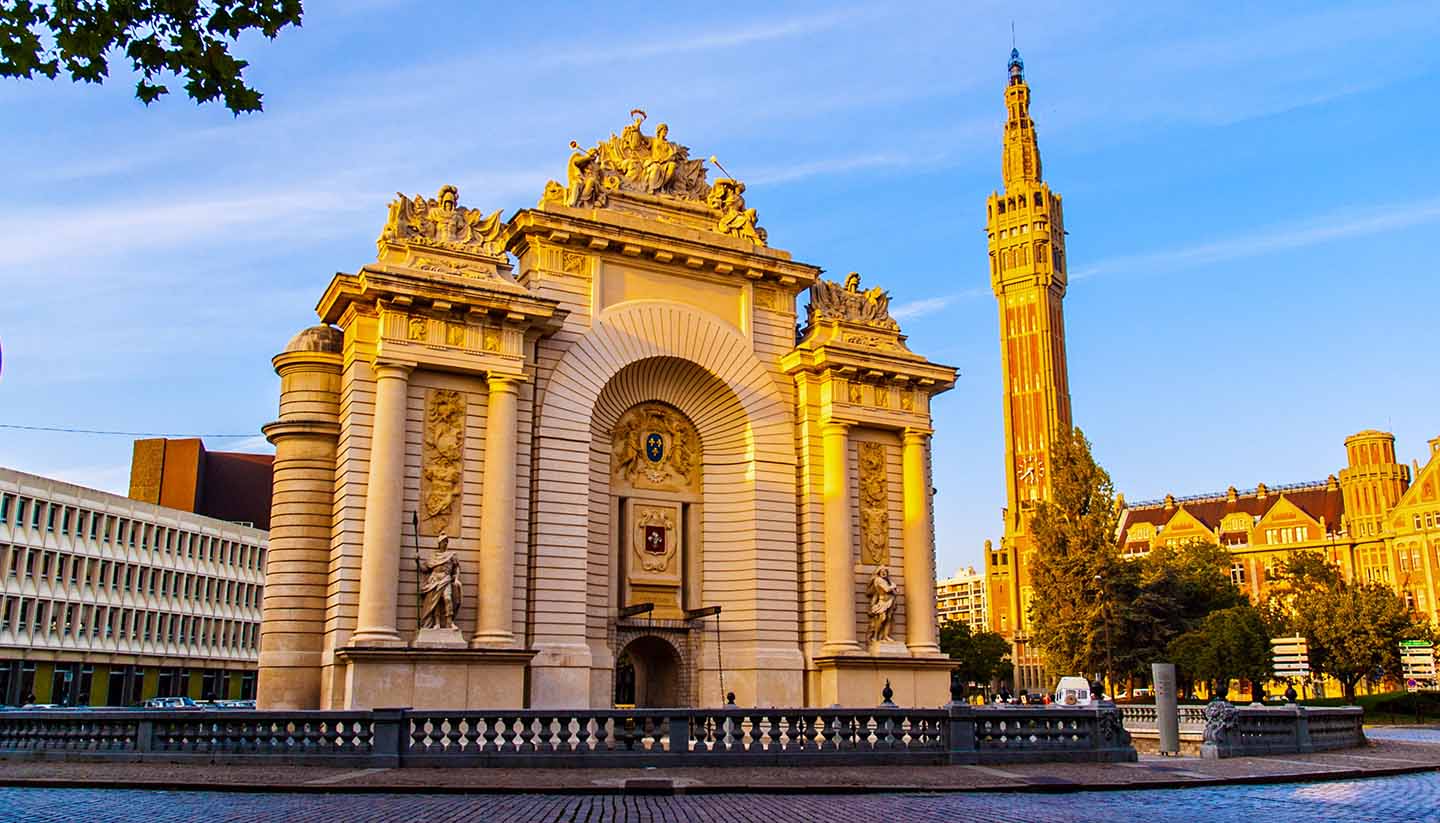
(1030,468)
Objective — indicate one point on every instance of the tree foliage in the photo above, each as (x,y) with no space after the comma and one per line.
(984,657)
(1076,571)
(1093,610)
(1352,630)
(1231,643)
(1175,588)
(190,39)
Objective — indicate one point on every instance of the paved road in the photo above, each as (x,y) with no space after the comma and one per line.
(1407,798)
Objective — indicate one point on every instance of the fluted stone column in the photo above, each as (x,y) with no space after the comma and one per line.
(919,552)
(839,554)
(302,501)
(497,518)
(384,504)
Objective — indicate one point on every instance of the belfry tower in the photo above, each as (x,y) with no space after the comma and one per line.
(1026,229)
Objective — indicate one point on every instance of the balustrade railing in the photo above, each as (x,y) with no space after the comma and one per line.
(599,738)
(1237,730)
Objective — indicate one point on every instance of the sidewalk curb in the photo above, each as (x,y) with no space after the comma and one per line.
(650,788)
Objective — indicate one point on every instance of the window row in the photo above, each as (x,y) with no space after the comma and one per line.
(123,531)
(61,619)
(1428,520)
(113,575)
(1289,534)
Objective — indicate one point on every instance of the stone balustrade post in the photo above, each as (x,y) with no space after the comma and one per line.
(389,738)
(1303,743)
(960,734)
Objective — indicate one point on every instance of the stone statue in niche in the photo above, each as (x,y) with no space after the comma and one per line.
(830,301)
(441,459)
(874,504)
(882,605)
(439,586)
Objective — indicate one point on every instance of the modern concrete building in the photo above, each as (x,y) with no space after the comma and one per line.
(962,597)
(105,600)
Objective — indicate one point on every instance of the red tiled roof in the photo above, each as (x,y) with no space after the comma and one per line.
(1315,499)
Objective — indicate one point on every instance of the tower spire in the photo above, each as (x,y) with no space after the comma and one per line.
(1021,155)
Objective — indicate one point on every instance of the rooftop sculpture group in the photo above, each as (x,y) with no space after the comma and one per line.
(635,162)
(830,301)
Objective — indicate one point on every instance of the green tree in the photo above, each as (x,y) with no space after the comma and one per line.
(182,38)
(1353,631)
(1229,644)
(1174,589)
(1078,578)
(1300,572)
(984,657)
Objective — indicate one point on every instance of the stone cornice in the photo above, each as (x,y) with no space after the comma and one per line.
(634,236)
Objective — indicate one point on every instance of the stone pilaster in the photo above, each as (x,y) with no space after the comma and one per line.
(293,613)
(497,518)
(384,504)
(839,554)
(919,554)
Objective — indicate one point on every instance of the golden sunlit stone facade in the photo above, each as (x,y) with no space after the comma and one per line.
(1372,521)
(582,429)
(1026,229)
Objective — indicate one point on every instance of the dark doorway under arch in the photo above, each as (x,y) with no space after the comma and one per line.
(647,672)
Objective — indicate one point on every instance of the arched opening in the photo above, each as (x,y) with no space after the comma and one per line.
(647,674)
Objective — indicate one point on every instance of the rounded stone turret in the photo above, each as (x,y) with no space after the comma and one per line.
(321,338)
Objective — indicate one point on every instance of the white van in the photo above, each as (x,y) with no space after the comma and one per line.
(1072,691)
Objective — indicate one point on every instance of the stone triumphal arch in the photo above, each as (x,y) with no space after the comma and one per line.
(651,481)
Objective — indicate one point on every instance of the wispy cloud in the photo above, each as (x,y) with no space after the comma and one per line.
(791,172)
(1349,224)
(930,305)
(686,42)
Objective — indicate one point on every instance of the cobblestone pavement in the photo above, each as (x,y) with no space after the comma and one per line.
(1405,798)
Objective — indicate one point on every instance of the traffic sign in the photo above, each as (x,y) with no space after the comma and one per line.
(1417,663)
(1290,656)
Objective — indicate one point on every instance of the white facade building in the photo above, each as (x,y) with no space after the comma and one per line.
(106,600)
(962,598)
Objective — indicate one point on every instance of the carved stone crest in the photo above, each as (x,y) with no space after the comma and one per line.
(440,222)
(831,301)
(655,541)
(874,504)
(441,468)
(655,447)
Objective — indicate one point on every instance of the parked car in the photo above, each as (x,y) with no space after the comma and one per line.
(1073,691)
(171,703)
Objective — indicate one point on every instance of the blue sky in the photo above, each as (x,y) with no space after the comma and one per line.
(1252,196)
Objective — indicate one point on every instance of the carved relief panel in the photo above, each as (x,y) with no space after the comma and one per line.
(654,555)
(441,465)
(874,504)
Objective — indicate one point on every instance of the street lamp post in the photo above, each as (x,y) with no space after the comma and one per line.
(1105,617)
